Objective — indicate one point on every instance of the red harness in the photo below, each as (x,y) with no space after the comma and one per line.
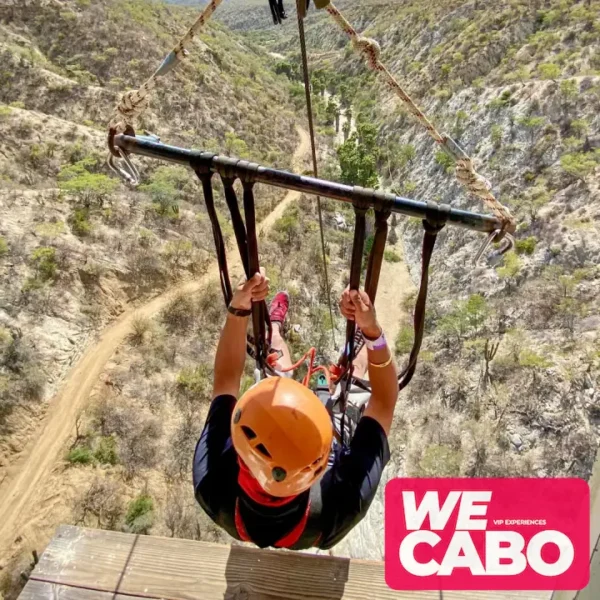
(256,493)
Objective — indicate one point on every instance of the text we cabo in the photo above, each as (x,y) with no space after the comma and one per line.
(487,534)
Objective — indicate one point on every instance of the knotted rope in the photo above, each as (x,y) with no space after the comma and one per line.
(465,170)
(135,102)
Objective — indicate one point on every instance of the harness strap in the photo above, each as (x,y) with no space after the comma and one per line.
(205,176)
(260,315)
(432,225)
(376,254)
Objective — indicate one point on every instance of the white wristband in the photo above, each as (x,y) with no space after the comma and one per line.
(379,344)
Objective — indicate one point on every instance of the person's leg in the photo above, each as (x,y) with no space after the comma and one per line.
(279,344)
(277,312)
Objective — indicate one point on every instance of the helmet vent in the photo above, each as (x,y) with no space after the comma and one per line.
(263,450)
(249,433)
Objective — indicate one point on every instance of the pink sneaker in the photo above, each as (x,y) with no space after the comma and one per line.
(279,307)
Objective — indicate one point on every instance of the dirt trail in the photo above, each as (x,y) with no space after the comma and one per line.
(17,490)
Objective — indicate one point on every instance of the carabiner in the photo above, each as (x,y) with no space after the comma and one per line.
(131,175)
(509,243)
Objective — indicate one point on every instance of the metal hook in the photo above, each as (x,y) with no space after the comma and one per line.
(508,244)
(131,175)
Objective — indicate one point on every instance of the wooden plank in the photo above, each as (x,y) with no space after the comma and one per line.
(38,590)
(152,567)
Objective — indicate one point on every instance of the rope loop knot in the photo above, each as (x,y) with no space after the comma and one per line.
(370,48)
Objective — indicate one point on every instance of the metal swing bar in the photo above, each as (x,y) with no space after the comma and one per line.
(146,146)
(433,216)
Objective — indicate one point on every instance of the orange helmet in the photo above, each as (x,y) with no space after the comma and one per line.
(283,434)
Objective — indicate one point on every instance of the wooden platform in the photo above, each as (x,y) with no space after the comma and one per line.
(85,564)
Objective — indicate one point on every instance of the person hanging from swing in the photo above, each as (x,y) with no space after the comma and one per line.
(269,467)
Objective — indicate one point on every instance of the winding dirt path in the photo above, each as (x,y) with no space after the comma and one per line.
(17,490)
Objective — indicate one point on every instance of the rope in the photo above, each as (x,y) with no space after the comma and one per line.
(135,102)
(314,161)
(465,170)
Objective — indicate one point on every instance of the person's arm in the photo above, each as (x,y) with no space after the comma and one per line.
(231,351)
(382,367)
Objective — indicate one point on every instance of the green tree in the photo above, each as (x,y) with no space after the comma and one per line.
(165,188)
(445,161)
(569,89)
(79,180)
(526,246)
(580,127)
(407,154)
(533,125)
(460,124)
(511,268)
(330,112)
(497,135)
(288,226)
(235,146)
(358,156)
(579,165)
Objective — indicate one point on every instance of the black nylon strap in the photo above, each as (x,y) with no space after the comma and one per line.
(206,180)
(239,228)
(429,239)
(376,254)
(259,310)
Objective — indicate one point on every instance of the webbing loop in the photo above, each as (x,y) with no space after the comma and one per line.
(432,225)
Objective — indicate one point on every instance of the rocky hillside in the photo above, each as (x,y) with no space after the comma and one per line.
(77,247)
(508,380)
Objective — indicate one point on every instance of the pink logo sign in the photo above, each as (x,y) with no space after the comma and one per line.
(487,534)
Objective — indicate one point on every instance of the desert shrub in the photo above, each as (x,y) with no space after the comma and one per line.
(195,384)
(466,316)
(138,444)
(526,246)
(532,360)
(3,247)
(44,262)
(511,268)
(178,252)
(90,187)
(100,505)
(579,165)
(180,314)
(140,326)
(165,189)
(81,455)
(106,451)
(140,514)
(497,134)
(79,222)
(392,256)
(444,160)
(287,228)
(440,460)
(549,71)
(181,448)
(180,516)
(404,340)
